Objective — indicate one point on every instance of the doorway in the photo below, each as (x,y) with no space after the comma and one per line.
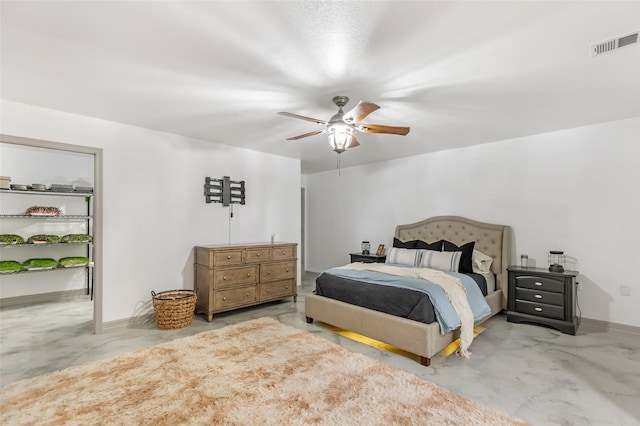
(94,214)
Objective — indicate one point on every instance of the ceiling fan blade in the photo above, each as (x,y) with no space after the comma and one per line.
(294,138)
(354,142)
(302,117)
(379,128)
(360,111)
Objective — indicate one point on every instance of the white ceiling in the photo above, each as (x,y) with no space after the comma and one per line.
(459,73)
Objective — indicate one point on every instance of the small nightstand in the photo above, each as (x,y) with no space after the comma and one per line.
(367,258)
(542,297)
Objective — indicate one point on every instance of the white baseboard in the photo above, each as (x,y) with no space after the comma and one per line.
(32,299)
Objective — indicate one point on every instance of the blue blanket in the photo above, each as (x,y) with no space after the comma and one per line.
(445,314)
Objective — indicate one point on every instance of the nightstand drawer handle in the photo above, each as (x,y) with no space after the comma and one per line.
(537,309)
(538,283)
(537,296)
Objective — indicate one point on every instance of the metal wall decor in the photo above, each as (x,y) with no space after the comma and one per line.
(225,191)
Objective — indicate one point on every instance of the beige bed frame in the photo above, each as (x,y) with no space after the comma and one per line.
(422,339)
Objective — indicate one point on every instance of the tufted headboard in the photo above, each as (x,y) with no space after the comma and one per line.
(493,240)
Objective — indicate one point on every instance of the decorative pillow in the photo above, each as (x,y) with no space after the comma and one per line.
(467,252)
(402,256)
(481,262)
(448,261)
(437,246)
(404,244)
(418,244)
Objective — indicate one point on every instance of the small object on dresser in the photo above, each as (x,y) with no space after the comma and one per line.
(524,260)
(365,247)
(556,261)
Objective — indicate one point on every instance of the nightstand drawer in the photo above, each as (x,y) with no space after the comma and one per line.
(538,296)
(540,309)
(540,283)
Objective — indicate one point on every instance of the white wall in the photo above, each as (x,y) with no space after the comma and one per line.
(576,190)
(154,208)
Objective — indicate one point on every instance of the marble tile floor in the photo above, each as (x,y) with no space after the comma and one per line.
(530,372)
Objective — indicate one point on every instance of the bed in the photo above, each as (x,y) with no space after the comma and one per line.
(422,339)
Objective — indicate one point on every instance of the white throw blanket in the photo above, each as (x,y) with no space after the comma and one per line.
(452,286)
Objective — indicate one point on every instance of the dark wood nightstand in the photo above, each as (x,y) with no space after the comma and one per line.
(367,258)
(539,296)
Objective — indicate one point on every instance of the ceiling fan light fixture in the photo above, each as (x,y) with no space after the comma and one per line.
(340,137)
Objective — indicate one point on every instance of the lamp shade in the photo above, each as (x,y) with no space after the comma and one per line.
(340,137)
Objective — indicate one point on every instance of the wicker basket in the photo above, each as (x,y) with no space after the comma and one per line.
(174,309)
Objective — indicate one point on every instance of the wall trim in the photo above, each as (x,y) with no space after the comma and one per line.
(609,326)
(32,299)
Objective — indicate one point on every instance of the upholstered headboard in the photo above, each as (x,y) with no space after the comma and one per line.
(493,240)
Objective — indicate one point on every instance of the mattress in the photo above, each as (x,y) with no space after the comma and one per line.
(401,302)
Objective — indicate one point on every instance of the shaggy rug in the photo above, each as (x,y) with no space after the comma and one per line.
(254,373)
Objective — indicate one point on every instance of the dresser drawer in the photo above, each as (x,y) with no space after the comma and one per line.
(258,255)
(234,297)
(540,309)
(539,296)
(226,257)
(283,252)
(540,283)
(232,277)
(277,289)
(277,271)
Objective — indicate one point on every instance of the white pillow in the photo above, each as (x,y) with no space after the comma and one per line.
(480,262)
(448,261)
(403,256)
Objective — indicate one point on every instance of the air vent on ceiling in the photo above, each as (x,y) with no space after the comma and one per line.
(614,43)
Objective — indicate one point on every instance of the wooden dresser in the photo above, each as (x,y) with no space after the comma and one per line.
(235,276)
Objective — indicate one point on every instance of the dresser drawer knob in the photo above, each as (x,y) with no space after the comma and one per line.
(287,269)
(284,252)
(537,296)
(538,283)
(268,291)
(224,298)
(247,294)
(268,272)
(286,287)
(228,256)
(537,309)
(258,255)
(224,278)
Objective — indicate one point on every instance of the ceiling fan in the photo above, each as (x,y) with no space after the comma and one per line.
(342,127)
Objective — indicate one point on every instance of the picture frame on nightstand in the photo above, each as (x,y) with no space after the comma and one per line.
(380,250)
